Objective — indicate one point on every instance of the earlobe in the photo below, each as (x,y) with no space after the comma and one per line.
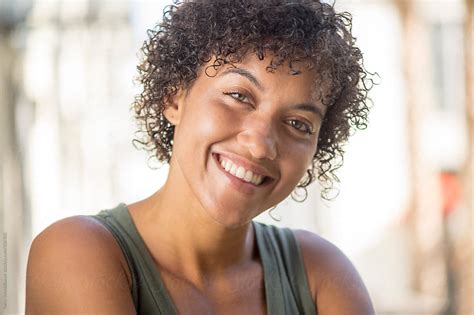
(174,107)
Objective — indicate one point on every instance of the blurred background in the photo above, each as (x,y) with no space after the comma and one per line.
(404,214)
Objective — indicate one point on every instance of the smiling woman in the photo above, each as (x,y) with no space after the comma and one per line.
(245,100)
(254,121)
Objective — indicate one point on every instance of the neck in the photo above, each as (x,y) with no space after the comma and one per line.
(185,240)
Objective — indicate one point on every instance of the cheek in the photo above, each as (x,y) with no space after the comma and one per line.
(298,159)
(205,121)
(217,118)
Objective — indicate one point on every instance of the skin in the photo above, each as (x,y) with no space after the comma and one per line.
(205,247)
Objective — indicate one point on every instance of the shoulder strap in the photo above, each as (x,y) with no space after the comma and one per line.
(286,284)
(148,291)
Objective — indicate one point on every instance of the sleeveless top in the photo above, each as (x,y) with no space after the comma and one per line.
(286,285)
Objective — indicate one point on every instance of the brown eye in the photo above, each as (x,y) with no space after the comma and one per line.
(238,96)
(299,125)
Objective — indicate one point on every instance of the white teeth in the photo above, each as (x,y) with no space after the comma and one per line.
(253,179)
(248,176)
(242,173)
(233,169)
(257,179)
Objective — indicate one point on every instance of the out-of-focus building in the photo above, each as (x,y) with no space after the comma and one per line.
(464,246)
(434,67)
(404,214)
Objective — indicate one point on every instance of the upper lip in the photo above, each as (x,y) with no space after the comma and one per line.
(248,165)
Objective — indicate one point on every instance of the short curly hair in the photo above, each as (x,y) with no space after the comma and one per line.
(194,32)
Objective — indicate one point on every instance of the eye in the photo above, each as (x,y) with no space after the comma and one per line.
(300,125)
(238,96)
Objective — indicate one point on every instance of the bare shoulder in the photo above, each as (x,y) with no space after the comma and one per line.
(76,266)
(336,285)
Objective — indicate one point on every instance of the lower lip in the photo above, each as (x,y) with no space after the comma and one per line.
(235,182)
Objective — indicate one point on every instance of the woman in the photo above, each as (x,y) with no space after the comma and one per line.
(247,101)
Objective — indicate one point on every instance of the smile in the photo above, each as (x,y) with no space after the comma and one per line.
(243,178)
(240,172)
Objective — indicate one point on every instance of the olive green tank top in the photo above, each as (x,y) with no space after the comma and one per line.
(286,286)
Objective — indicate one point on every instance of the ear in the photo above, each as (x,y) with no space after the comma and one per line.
(174,107)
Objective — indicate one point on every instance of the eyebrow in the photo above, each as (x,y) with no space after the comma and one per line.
(309,107)
(249,76)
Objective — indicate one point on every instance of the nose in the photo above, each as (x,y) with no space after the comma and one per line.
(258,137)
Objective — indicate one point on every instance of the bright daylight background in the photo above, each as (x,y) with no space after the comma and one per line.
(404,214)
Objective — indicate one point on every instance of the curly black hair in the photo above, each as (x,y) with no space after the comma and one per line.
(194,32)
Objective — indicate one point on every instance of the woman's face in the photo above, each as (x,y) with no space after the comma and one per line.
(238,126)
